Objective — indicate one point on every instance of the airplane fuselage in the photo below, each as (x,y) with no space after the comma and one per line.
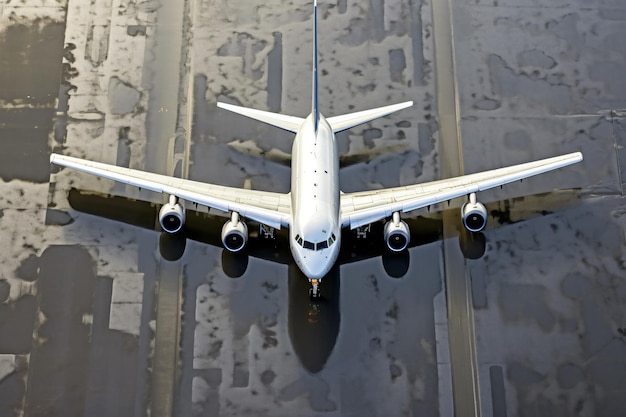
(315,232)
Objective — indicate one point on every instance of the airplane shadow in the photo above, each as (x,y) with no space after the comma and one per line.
(313,324)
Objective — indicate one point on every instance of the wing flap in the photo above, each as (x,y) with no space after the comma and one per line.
(359,209)
(272,209)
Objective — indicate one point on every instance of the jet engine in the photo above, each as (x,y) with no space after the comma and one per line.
(172,216)
(397,235)
(234,233)
(474,214)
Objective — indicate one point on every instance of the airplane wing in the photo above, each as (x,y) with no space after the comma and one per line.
(199,225)
(271,209)
(361,208)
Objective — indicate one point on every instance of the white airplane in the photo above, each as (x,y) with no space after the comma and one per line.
(315,211)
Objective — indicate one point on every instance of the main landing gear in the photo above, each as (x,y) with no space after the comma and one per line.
(314,292)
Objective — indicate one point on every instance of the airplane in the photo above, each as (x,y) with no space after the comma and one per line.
(315,211)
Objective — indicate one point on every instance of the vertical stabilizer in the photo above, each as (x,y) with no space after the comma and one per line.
(315,108)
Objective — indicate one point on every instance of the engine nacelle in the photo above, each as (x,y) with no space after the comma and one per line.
(474,215)
(397,234)
(172,216)
(234,233)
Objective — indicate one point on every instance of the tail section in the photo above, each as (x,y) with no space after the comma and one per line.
(289,123)
(315,108)
(338,123)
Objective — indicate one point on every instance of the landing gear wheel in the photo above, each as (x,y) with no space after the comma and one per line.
(314,291)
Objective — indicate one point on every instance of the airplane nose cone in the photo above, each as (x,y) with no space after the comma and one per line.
(316,266)
(314,270)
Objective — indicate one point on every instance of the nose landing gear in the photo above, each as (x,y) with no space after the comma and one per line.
(314,292)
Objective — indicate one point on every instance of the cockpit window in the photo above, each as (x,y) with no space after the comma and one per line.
(324,244)
(321,245)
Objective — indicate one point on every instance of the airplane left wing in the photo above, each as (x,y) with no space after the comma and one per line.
(271,209)
(362,208)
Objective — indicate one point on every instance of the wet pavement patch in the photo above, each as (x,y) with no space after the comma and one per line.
(58,218)
(498,395)
(30,75)
(569,375)
(526,303)
(30,62)
(123,97)
(12,389)
(24,142)
(17,320)
(521,375)
(397,65)
(247,47)
(275,74)
(538,88)
(58,364)
(4,290)
(135,30)
(29,269)
(620,146)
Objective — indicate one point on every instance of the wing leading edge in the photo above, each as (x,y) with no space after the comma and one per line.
(361,208)
(272,209)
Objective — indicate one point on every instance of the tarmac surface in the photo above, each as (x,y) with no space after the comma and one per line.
(102,315)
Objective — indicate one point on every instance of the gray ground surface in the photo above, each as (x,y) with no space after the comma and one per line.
(93,320)
(549,294)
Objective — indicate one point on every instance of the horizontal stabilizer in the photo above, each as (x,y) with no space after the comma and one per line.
(289,123)
(346,121)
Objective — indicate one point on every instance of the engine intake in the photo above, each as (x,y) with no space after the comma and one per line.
(474,215)
(397,234)
(234,233)
(172,216)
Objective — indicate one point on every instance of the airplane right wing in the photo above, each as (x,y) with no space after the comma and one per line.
(362,208)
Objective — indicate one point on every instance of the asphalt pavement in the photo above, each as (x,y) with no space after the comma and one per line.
(100,317)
